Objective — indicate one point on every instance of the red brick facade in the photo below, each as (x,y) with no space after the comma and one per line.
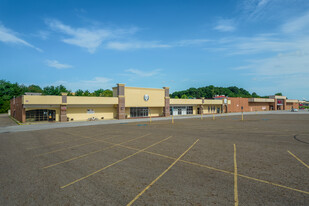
(17,110)
(238,102)
(293,105)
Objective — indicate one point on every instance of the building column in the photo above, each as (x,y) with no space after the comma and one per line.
(201,109)
(166,110)
(275,104)
(121,110)
(63,113)
(202,106)
(63,108)
(23,114)
(284,104)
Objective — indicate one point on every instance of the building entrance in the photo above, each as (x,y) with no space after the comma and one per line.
(139,112)
(178,110)
(40,115)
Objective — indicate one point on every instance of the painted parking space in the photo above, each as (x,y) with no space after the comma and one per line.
(190,161)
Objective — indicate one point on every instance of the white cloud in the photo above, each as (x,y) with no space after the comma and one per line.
(226,25)
(57,65)
(43,34)
(115,39)
(90,39)
(257,44)
(154,44)
(255,9)
(300,24)
(93,84)
(8,36)
(140,73)
(135,45)
(191,42)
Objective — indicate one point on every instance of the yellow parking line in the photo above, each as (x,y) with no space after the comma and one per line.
(155,180)
(219,170)
(90,153)
(127,157)
(274,184)
(298,159)
(235,178)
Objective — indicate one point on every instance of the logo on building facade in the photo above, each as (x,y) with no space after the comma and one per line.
(146,97)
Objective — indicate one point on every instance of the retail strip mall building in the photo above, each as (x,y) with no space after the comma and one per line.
(133,102)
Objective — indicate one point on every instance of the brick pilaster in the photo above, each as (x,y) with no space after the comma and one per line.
(284,104)
(63,113)
(63,108)
(166,110)
(121,110)
(275,104)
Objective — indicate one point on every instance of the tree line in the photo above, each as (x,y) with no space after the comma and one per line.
(9,90)
(211,91)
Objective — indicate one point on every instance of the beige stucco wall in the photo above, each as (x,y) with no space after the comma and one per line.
(48,108)
(185,101)
(128,112)
(205,110)
(80,113)
(213,101)
(194,109)
(39,100)
(73,100)
(134,97)
(156,111)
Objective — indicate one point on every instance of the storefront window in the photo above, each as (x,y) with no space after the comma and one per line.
(189,110)
(139,112)
(40,115)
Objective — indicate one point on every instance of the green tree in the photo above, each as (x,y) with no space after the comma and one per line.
(52,90)
(184,96)
(79,92)
(107,93)
(210,91)
(34,88)
(98,93)
(255,95)
(87,93)
(9,90)
(279,94)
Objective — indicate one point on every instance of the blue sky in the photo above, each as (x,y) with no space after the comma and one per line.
(260,45)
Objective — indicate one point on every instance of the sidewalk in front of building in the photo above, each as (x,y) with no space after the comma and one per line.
(22,128)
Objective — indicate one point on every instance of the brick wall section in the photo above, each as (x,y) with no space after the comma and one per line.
(17,110)
(289,106)
(166,109)
(63,113)
(63,108)
(259,106)
(121,110)
(238,102)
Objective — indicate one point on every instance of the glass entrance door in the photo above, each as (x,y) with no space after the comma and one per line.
(179,111)
(139,112)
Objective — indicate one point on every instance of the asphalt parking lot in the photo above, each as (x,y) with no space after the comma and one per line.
(262,160)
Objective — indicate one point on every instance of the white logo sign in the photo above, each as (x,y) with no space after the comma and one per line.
(146,97)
